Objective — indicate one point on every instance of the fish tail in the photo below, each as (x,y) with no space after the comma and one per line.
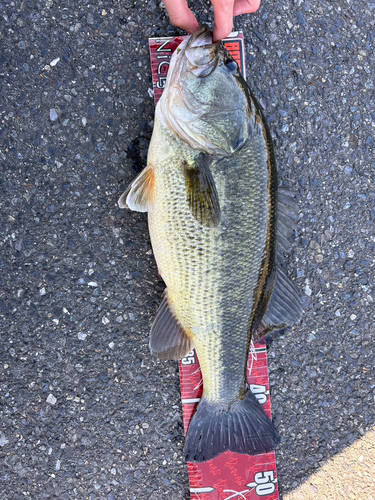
(241,427)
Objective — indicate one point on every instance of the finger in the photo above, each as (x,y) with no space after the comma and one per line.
(245,7)
(180,15)
(223,11)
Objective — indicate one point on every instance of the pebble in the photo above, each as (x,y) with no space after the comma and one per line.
(301,18)
(51,399)
(3,440)
(53,114)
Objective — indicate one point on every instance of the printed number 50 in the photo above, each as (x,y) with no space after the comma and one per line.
(264,483)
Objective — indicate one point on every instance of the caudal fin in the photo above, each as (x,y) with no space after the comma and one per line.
(242,427)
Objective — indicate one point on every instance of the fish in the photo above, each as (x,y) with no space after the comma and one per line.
(218,225)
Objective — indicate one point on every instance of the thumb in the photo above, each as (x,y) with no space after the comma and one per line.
(180,15)
(223,11)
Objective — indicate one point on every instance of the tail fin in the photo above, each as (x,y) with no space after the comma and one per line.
(242,427)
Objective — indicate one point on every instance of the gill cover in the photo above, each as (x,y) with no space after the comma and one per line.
(204,102)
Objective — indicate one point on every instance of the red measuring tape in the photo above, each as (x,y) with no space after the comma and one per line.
(230,476)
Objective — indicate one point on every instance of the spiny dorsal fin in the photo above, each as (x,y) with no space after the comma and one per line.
(201,191)
(138,195)
(287,214)
(168,338)
(284,307)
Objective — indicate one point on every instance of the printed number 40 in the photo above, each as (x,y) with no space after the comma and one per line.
(264,483)
(260,392)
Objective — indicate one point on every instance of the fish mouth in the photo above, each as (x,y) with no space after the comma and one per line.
(203,36)
(202,53)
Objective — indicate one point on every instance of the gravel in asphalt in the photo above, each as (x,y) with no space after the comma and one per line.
(349,475)
(86,411)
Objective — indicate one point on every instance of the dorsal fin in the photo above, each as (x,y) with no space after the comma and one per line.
(168,338)
(138,195)
(284,307)
(201,191)
(287,214)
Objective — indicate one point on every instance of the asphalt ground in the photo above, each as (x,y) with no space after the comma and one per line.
(86,411)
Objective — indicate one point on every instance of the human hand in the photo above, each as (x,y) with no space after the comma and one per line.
(224,11)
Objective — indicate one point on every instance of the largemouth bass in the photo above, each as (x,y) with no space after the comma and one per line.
(210,190)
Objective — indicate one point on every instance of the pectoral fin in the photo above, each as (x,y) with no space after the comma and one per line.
(201,191)
(139,194)
(168,338)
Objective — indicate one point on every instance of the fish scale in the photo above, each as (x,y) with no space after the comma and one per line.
(211,273)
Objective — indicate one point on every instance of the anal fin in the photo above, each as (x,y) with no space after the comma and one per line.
(168,338)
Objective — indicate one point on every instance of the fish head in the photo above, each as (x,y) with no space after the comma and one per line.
(205,102)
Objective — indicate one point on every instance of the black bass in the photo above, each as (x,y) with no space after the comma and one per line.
(210,190)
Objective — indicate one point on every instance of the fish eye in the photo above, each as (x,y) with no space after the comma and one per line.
(231,65)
